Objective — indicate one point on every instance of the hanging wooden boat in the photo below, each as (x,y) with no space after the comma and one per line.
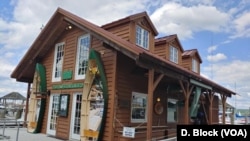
(37,100)
(94,99)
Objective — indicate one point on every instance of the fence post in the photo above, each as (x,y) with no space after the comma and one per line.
(17,134)
(3,127)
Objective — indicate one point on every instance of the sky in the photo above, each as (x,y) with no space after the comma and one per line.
(219,29)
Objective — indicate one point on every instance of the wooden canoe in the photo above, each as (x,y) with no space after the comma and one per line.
(37,100)
(94,99)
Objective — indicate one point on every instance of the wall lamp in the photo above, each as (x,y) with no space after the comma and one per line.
(68,27)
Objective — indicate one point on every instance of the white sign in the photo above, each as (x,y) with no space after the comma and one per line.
(128,132)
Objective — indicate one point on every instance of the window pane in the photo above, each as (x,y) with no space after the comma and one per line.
(58,62)
(171,115)
(138,107)
(82,56)
(173,56)
(142,37)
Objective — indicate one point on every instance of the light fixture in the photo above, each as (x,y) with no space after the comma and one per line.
(68,27)
(158,99)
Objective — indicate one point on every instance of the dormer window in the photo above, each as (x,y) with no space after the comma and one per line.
(142,37)
(173,56)
(194,65)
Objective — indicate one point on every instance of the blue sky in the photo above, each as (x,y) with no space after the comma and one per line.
(219,29)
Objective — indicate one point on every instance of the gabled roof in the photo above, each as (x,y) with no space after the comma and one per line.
(24,71)
(14,96)
(191,53)
(169,39)
(131,18)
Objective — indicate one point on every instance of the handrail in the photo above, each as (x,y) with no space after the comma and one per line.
(9,121)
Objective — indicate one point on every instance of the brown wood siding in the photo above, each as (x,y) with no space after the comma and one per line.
(70,39)
(109,62)
(187,63)
(198,63)
(121,31)
(160,50)
(127,82)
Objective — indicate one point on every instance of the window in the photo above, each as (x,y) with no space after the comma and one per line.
(194,65)
(58,61)
(172,106)
(142,37)
(138,107)
(173,54)
(82,56)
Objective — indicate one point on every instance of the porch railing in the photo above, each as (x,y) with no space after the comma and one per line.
(7,123)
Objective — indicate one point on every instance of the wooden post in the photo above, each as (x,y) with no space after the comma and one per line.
(187,92)
(150,103)
(223,100)
(27,105)
(210,96)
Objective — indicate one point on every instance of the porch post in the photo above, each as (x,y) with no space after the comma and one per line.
(223,100)
(186,91)
(150,103)
(27,105)
(210,98)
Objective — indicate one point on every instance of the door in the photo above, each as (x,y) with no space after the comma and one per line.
(76,115)
(52,116)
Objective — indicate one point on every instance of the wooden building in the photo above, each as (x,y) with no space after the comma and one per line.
(153,83)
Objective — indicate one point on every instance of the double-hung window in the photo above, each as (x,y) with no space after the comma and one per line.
(139,107)
(173,54)
(82,56)
(142,37)
(58,62)
(194,65)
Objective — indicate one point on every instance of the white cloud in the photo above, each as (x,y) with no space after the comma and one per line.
(242,26)
(174,18)
(234,76)
(217,57)
(211,49)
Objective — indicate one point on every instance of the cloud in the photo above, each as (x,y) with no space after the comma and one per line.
(217,57)
(211,49)
(242,26)
(234,76)
(174,18)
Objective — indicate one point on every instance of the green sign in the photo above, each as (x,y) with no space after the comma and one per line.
(67,86)
(67,75)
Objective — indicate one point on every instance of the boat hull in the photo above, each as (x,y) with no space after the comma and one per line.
(94,99)
(37,100)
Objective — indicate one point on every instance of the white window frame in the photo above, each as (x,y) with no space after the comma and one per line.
(138,107)
(172,112)
(142,37)
(194,65)
(58,62)
(173,54)
(83,55)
